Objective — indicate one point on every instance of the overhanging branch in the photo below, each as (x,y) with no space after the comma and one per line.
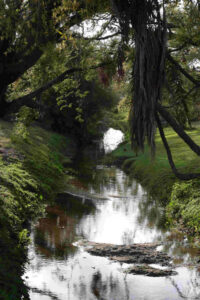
(25,100)
(183,71)
(103,37)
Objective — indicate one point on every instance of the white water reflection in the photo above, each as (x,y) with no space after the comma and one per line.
(88,277)
(119,220)
(112,138)
(116,221)
(128,216)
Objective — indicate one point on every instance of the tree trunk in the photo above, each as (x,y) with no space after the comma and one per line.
(170,158)
(3,104)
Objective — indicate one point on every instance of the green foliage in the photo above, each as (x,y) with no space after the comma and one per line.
(43,158)
(178,98)
(184,205)
(25,117)
(124,104)
(180,95)
(19,192)
(77,104)
(24,237)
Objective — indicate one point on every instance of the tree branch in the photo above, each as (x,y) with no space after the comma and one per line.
(185,73)
(178,129)
(104,37)
(178,49)
(25,100)
(14,71)
(181,100)
(169,155)
(21,61)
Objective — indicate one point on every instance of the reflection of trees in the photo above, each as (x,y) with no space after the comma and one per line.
(126,288)
(106,181)
(177,288)
(129,236)
(151,213)
(80,289)
(191,290)
(98,288)
(44,293)
(55,234)
(99,180)
(109,288)
(181,252)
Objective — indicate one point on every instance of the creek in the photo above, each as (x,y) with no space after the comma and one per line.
(124,214)
(106,206)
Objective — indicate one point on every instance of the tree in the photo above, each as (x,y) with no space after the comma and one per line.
(151,28)
(26,29)
(76,103)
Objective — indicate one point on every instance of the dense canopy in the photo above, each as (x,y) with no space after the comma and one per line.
(155,41)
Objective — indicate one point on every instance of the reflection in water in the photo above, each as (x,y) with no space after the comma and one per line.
(58,269)
(54,235)
(122,219)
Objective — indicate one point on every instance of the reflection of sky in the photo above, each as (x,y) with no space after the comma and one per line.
(126,217)
(75,279)
(116,220)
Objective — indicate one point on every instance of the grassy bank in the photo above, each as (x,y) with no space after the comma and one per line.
(31,172)
(182,199)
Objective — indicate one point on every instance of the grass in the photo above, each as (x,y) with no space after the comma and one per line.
(156,175)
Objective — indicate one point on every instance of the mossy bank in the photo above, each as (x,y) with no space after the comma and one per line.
(181,198)
(33,165)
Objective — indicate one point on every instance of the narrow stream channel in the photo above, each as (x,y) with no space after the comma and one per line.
(121,213)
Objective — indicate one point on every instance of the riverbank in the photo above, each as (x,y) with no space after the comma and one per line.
(34,163)
(181,198)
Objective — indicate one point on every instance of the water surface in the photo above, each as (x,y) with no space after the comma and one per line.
(124,214)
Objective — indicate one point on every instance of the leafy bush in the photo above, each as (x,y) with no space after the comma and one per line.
(184,204)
